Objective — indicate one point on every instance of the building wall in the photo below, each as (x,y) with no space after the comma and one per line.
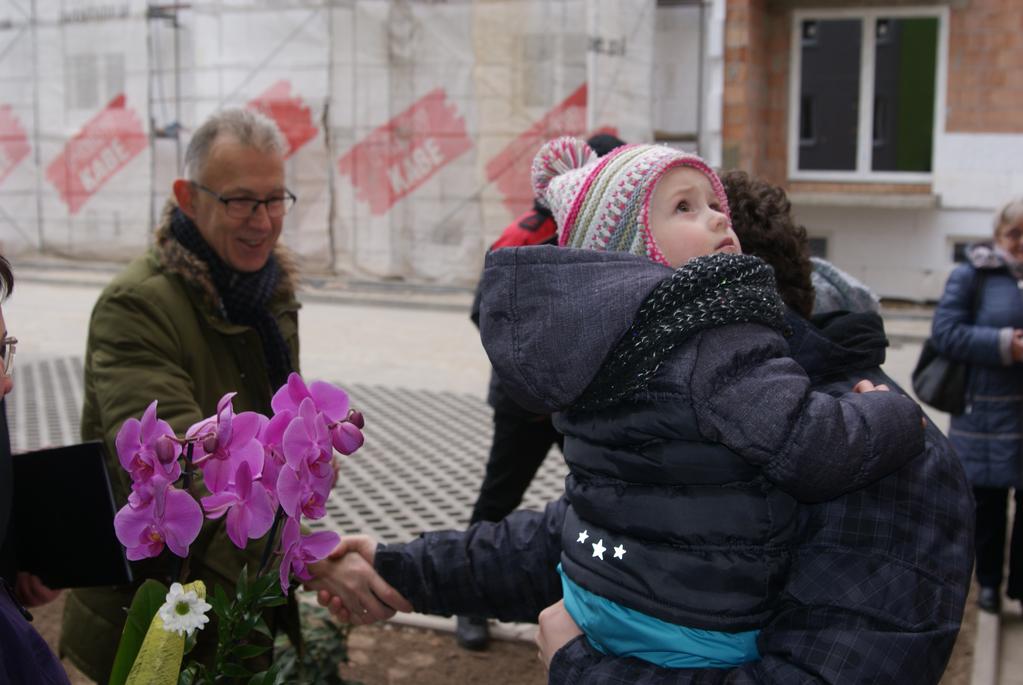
(897,237)
(411,126)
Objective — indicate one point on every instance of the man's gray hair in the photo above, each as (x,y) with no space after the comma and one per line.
(248,127)
(1009,214)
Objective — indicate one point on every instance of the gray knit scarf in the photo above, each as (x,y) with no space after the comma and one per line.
(706,292)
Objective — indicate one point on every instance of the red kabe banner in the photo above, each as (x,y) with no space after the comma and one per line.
(291,114)
(511,168)
(13,142)
(401,155)
(103,147)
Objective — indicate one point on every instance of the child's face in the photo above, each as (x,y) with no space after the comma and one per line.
(686,219)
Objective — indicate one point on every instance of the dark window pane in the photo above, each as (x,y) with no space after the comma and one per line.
(881,121)
(818,247)
(830,78)
(904,80)
(959,251)
(806,133)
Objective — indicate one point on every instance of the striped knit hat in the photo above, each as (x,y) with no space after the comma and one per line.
(603,203)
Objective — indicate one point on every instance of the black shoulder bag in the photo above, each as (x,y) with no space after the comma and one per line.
(938,381)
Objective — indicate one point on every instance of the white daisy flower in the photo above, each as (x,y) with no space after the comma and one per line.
(183,612)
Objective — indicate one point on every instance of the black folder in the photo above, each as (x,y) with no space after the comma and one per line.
(63,518)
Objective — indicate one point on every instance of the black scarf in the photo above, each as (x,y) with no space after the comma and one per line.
(706,292)
(243,296)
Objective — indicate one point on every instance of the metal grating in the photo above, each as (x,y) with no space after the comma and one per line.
(419,470)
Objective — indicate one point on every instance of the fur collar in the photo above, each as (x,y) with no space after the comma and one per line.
(984,256)
(176,259)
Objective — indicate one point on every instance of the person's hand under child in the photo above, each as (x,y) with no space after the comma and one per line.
(556,629)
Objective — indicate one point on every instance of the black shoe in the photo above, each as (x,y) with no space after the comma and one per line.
(990,600)
(472,633)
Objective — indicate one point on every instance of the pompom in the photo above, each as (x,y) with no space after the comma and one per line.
(555,158)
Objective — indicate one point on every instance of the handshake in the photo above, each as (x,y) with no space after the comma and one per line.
(349,586)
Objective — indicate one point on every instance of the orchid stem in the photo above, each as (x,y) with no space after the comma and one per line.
(270,541)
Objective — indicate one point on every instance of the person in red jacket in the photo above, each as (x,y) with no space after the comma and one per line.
(522,439)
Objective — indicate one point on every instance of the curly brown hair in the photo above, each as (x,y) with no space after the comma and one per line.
(762,219)
(6,278)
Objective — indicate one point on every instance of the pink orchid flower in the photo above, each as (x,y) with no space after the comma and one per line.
(148,447)
(299,551)
(168,516)
(247,505)
(229,440)
(304,493)
(329,400)
(346,437)
(307,439)
(271,435)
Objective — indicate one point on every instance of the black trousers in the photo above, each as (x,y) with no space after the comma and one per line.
(520,445)
(992,510)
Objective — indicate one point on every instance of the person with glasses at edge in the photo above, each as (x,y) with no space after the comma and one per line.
(209,309)
(24,655)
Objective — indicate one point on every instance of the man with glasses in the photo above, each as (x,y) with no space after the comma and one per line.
(209,309)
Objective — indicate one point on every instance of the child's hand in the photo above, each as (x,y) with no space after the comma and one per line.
(1016,346)
(867,386)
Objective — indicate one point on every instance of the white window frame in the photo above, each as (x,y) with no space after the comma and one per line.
(865,127)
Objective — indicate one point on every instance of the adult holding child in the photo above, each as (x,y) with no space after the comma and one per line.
(979,320)
(829,625)
(209,309)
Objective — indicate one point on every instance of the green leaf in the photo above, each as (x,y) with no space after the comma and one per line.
(235,671)
(262,628)
(147,601)
(242,588)
(249,651)
(190,641)
(272,601)
(267,677)
(219,601)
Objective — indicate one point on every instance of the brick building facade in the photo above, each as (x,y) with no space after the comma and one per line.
(896,224)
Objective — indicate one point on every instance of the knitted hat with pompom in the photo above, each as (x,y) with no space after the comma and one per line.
(603,203)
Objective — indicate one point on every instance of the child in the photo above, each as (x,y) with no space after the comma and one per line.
(689,434)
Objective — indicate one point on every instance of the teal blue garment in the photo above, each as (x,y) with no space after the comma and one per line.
(614,629)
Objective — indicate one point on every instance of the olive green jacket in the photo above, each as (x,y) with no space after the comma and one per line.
(158,332)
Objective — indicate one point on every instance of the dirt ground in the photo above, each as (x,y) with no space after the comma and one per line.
(389,654)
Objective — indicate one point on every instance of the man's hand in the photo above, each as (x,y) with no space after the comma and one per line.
(31,592)
(557,629)
(348,585)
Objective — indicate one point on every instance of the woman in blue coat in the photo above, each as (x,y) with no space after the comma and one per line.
(979,320)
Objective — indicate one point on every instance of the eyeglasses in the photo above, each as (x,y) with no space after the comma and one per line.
(244,207)
(1013,234)
(7,347)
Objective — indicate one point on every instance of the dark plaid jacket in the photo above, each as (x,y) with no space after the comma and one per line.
(876,594)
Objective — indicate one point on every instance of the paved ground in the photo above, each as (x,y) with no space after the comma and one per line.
(410,359)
